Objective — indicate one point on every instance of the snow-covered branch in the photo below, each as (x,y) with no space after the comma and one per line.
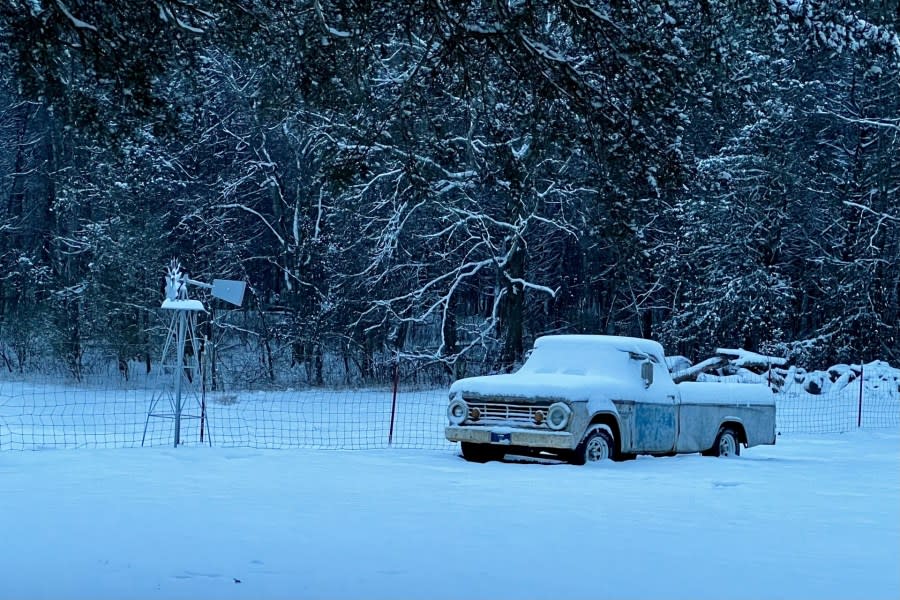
(259,215)
(745,358)
(331,30)
(885,123)
(530,286)
(76,22)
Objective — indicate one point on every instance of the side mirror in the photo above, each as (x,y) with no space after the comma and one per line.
(647,373)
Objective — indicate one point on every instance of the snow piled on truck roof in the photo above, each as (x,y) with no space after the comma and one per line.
(588,355)
(627,344)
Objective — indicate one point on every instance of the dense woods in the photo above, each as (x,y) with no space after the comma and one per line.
(444,181)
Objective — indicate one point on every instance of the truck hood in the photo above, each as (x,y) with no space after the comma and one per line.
(533,386)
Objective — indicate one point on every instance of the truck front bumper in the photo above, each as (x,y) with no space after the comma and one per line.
(510,436)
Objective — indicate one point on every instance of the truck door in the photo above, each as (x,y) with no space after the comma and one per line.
(655,425)
(656,412)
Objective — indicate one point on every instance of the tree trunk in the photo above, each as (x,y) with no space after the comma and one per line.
(513,311)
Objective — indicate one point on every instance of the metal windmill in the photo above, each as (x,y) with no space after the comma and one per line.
(182,349)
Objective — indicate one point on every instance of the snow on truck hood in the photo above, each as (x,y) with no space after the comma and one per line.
(538,385)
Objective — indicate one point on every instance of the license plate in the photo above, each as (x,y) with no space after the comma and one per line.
(500,438)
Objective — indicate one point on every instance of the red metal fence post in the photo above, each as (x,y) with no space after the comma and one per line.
(859,409)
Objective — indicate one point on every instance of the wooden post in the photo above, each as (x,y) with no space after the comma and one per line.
(212,347)
(859,409)
(202,376)
(394,400)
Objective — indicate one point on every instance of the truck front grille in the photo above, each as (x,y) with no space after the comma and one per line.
(493,412)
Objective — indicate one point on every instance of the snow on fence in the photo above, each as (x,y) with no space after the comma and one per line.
(101,414)
(843,398)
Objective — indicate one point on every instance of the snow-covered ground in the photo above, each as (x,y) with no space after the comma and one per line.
(812,517)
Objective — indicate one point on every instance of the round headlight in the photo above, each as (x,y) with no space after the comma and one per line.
(558,416)
(457,411)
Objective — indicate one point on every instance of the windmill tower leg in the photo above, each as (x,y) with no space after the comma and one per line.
(170,337)
(179,373)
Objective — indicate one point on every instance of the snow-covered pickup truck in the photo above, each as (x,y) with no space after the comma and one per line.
(585,398)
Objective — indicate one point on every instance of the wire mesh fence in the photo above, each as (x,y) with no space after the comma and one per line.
(843,398)
(800,412)
(105,413)
(55,415)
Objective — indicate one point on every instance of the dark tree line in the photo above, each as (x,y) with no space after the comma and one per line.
(447,180)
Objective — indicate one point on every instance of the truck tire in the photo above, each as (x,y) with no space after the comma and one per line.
(481,453)
(728,443)
(598,445)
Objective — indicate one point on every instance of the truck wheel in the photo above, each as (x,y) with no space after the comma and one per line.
(481,453)
(596,446)
(727,444)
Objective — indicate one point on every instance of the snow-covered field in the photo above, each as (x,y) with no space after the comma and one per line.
(816,516)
